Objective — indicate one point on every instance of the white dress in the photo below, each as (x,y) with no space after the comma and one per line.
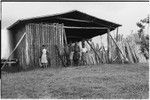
(84,50)
(44,57)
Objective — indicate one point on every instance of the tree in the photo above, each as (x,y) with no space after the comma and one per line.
(144,39)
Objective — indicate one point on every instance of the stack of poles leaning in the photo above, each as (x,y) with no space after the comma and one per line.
(121,50)
(50,35)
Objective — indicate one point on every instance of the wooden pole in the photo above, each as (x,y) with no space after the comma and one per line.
(108,40)
(117,46)
(148,24)
(73,27)
(76,20)
(64,35)
(59,56)
(93,50)
(117,35)
(101,41)
(14,49)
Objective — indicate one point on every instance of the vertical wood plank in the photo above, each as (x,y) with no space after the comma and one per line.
(108,45)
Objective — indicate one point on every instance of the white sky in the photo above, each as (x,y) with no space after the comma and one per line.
(125,13)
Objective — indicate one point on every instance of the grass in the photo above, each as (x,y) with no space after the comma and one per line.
(128,81)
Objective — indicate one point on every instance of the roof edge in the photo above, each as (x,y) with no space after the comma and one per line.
(57,14)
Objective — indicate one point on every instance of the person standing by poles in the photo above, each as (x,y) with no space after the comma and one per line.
(44,58)
(67,54)
(71,53)
(76,56)
(83,54)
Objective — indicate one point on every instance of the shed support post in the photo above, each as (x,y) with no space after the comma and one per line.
(108,40)
(117,35)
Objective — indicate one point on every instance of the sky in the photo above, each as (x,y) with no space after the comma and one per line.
(125,13)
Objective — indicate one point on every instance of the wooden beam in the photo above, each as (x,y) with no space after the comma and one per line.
(73,27)
(117,47)
(108,40)
(14,50)
(64,34)
(74,37)
(94,50)
(117,35)
(12,62)
(60,56)
(76,20)
(86,21)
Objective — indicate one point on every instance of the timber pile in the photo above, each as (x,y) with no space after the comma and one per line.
(96,58)
(129,49)
(124,50)
(50,35)
(132,40)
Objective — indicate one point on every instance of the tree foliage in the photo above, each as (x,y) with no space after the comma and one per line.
(144,39)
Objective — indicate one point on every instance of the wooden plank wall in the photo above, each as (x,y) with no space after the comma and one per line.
(44,34)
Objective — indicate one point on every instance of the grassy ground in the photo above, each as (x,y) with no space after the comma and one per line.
(128,81)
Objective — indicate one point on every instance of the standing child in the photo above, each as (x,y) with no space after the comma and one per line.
(44,58)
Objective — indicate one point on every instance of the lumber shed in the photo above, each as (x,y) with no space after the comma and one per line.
(28,35)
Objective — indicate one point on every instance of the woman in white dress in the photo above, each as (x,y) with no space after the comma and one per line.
(44,58)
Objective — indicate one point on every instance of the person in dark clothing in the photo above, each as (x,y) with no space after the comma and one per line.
(71,53)
(67,54)
(76,56)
